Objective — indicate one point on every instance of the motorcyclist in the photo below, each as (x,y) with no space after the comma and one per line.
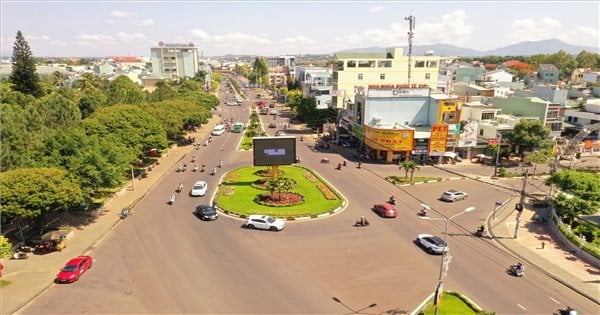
(180,187)
(393,200)
(172,199)
(203,168)
(423,212)
(221,163)
(519,266)
(481,229)
(345,163)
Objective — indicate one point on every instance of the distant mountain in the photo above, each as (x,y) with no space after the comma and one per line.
(528,48)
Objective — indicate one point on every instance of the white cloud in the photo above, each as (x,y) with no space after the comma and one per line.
(58,42)
(200,35)
(94,37)
(233,40)
(146,22)
(129,37)
(299,40)
(375,9)
(451,29)
(582,35)
(121,14)
(531,30)
(110,22)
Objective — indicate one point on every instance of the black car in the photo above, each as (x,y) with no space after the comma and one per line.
(206,213)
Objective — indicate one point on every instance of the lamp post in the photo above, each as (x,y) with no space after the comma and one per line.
(497,154)
(439,288)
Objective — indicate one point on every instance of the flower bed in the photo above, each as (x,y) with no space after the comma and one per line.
(329,195)
(279,199)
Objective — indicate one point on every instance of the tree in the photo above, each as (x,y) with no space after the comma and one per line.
(24,75)
(409,166)
(164,91)
(586,59)
(59,112)
(123,90)
(92,100)
(31,193)
(530,134)
(565,62)
(23,131)
(293,98)
(538,157)
(5,248)
(260,72)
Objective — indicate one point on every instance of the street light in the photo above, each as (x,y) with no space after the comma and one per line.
(438,290)
(351,309)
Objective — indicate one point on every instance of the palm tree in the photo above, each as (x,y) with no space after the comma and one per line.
(285,185)
(409,166)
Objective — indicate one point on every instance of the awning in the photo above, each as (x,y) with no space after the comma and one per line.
(450,154)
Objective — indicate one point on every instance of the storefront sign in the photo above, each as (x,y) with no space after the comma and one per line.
(389,139)
(448,106)
(421,146)
(398,92)
(468,134)
(437,141)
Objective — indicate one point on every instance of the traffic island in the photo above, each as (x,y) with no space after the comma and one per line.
(454,303)
(298,193)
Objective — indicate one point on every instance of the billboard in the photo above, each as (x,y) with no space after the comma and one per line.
(274,150)
(468,133)
(437,140)
(389,139)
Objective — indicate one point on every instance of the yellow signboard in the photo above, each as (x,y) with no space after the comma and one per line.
(389,139)
(438,139)
(448,106)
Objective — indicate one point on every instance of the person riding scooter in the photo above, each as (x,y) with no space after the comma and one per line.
(172,200)
(480,230)
(392,200)
(179,187)
(423,212)
(362,222)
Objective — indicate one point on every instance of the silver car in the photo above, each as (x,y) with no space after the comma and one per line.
(453,195)
(432,244)
(264,222)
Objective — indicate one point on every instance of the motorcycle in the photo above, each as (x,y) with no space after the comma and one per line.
(203,168)
(339,167)
(362,223)
(566,311)
(124,213)
(480,231)
(423,213)
(171,200)
(516,270)
(392,201)
(179,188)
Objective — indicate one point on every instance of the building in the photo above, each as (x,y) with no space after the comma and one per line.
(390,67)
(174,60)
(317,83)
(104,68)
(548,74)
(576,120)
(499,75)
(281,61)
(468,74)
(549,113)
(550,93)
(278,76)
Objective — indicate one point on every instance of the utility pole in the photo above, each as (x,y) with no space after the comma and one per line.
(519,206)
(411,35)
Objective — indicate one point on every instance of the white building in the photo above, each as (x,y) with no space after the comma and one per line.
(174,60)
(499,75)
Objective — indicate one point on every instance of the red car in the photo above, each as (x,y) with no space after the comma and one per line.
(385,210)
(74,269)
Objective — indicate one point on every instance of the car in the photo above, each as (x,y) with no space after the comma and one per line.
(74,269)
(280,133)
(385,210)
(206,213)
(199,189)
(433,244)
(453,195)
(264,222)
(272,125)
(273,112)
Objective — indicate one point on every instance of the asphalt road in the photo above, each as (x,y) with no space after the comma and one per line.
(164,260)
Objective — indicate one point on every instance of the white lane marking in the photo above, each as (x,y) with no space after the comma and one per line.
(521,306)
(555,301)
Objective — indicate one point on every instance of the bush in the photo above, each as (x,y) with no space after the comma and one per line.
(502,172)
(5,247)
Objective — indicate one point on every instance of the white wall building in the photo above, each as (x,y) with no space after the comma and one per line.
(174,60)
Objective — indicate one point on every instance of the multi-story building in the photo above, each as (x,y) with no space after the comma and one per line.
(549,113)
(391,67)
(174,60)
(551,93)
(547,73)
(281,61)
(577,119)
(317,83)
(278,76)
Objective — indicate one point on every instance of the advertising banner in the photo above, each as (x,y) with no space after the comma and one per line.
(389,139)
(421,146)
(448,106)
(437,141)
(468,134)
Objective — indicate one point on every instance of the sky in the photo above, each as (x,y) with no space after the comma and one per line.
(270,28)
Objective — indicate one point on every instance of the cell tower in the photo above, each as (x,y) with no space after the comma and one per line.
(411,34)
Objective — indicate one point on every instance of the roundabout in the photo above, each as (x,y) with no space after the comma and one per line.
(292,192)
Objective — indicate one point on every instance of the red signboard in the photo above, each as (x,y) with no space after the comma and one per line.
(493,141)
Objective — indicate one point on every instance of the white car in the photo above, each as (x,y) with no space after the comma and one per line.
(453,195)
(199,189)
(263,222)
(432,244)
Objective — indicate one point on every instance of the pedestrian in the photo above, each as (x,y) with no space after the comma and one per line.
(543,244)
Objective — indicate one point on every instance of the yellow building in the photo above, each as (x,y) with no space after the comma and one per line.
(388,67)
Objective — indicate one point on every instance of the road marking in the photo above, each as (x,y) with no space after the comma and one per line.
(555,301)
(521,306)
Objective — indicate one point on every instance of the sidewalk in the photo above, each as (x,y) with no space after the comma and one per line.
(31,277)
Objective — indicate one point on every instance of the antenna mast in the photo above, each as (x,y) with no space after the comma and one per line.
(411,34)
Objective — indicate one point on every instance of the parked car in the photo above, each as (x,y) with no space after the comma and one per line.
(385,210)
(453,195)
(272,125)
(199,189)
(433,244)
(273,112)
(74,269)
(263,222)
(206,213)
(280,133)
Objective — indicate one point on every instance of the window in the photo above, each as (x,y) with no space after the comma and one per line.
(366,63)
(360,76)
(481,132)
(427,76)
(487,116)
(553,114)
(382,76)
(384,64)
(351,64)
(556,126)
(431,64)
(419,64)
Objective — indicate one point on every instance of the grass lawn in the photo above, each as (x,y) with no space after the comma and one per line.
(450,305)
(416,179)
(236,194)
(4,283)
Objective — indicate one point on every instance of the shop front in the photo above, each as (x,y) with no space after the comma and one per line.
(387,144)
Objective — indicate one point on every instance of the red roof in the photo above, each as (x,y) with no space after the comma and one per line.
(126,59)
